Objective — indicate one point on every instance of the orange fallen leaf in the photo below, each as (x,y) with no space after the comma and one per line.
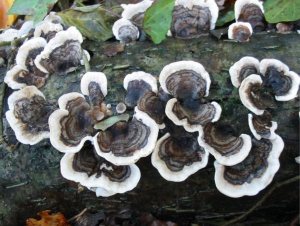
(55,219)
(6,20)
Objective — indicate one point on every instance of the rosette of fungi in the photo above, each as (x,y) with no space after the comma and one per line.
(188,82)
(128,28)
(261,126)
(177,154)
(124,143)
(73,123)
(193,18)
(224,143)
(62,54)
(240,31)
(277,76)
(250,11)
(26,72)
(254,173)
(28,115)
(97,174)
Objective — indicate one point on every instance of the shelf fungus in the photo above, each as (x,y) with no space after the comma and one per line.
(240,31)
(243,68)
(178,157)
(125,31)
(283,82)
(250,11)
(261,126)
(94,172)
(28,115)
(47,30)
(253,174)
(188,82)
(62,54)
(125,143)
(224,144)
(253,95)
(137,84)
(193,18)
(151,104)
(135,12)
(73,123)
(25,71)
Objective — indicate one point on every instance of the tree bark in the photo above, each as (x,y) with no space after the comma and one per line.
(30,175)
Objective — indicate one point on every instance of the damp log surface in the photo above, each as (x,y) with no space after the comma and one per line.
(30,175)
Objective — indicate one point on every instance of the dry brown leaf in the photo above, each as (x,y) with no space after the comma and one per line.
(55,219)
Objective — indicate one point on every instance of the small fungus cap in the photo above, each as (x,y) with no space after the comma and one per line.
(249,99)
(253,174)
(176,160)
(47,29)
(239,4)
(126,142)
(222,143)
(261,126)
(131,10)
(26,115)
(243,68)
(97,77)
(240,31)
(11,77)
(125,31)
(183,77)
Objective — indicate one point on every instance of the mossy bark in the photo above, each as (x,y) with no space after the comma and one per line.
(30,175)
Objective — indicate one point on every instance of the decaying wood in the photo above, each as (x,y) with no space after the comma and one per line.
(30,177)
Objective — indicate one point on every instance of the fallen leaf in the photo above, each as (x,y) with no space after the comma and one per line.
(103,125)
(55,219)
(158,18)
(38,9)
(94,22)
(282,10)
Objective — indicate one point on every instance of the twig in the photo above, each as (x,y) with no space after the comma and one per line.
(78,215)
(278,185)
(2,91)
(16,185)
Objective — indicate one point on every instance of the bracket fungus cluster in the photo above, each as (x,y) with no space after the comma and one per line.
(128,28)
(259,82)
(50,49)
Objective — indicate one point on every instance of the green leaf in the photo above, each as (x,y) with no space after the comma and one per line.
(38,9)
(225,18)
(282,10)
(158,18)
(94,22)
(103,125)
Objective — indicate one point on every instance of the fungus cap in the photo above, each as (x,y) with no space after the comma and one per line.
(142,144)
(45,28)
(10,77)
(257,182)
(16,123)
(243,68)
(240,31)
(97,77)
(176,67)
(239,4)
(56,127)
(125,31)
(266,126)
(131,10)
(246,94)
(237,148)
(187,169)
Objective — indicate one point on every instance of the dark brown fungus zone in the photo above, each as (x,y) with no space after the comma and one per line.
(250,11)
(222,141)
(178,154)
(28,115)
(262,126)
(153,106)
(62,54)
(87,161)
(137,85)
(254,173)
(240,31)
